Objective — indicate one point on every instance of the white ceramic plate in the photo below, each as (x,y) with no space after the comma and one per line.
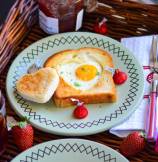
(70,150)
(48,117)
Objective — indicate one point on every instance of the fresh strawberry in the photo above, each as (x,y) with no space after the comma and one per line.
(132,144)
(80,112)
(101,27)
(23,135)
(119,77)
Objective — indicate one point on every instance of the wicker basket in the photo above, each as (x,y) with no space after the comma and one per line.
(125,19)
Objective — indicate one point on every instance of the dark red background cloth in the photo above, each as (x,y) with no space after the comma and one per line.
(5,6)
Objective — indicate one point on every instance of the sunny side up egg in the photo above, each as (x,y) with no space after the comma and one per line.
(81,76)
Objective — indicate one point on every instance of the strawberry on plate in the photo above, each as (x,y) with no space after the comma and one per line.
(80,112)
(23,134)
(132,144)
(119,77)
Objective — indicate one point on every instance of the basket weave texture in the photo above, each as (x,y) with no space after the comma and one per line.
(125,19)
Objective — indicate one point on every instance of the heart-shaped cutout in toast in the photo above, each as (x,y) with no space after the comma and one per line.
(39,86)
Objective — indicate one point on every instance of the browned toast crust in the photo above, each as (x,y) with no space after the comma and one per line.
(91,99)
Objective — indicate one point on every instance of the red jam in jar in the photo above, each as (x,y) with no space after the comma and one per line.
(57,16)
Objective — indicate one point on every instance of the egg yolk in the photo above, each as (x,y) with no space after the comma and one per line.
(86,72)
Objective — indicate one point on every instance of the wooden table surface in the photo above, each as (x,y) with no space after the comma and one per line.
(114,31)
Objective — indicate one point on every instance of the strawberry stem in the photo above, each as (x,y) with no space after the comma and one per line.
(102,22)
(142,134)
(22,124)
(117,70)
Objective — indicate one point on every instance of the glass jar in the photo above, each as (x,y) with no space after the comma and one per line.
(90,5)
(3,124)
(56,16)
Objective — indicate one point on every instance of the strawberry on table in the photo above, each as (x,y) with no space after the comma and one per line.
(23,135)
(100,26)
(132,144)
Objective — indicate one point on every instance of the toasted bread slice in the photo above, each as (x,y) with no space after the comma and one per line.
(103,89)
(39,86)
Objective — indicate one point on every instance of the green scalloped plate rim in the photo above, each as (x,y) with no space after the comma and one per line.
(69,149)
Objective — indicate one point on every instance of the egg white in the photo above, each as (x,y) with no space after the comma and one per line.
(67,72)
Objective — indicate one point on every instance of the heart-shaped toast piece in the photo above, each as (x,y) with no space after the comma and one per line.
(39,86)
